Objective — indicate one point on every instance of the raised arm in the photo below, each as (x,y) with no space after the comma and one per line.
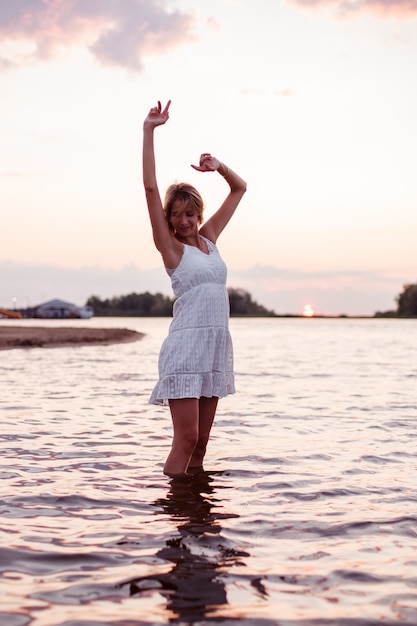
(164,241)
(215,225)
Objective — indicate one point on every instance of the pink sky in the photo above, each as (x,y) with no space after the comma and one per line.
(313,102)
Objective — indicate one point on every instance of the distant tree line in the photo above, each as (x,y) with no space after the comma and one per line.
(132,305)
(406,303)
(241,303)
(158,305)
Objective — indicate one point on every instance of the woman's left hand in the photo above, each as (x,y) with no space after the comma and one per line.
(208,163)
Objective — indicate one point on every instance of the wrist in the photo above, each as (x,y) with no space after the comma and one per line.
(223,170)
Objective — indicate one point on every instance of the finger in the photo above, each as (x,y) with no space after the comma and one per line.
(167,107)
(198,168)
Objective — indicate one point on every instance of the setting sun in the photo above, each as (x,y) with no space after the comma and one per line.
(308,310)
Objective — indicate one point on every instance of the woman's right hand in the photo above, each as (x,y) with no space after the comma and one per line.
(157,116)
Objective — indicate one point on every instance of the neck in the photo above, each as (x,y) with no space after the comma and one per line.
(193,240)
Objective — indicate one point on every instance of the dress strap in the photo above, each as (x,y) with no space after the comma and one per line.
(210,244)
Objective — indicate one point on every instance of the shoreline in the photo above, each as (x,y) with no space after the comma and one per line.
(59,337)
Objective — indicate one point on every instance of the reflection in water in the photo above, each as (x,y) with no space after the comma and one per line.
(193,587)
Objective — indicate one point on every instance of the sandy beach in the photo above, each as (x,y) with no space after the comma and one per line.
(41,337)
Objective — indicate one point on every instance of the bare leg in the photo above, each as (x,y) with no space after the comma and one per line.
(207,411)
(185,419)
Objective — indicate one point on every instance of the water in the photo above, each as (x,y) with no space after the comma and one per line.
(307,515)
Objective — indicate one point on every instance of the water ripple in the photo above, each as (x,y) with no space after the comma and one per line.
(307,516)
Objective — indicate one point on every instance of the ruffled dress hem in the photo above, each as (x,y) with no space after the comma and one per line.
(206,384)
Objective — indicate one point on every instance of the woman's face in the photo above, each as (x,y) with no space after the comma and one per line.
(184,219)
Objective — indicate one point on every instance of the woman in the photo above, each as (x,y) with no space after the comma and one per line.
(196,359)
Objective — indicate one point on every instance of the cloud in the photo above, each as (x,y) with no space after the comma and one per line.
(274,93)
(18,174)
(382,8)
(213,25)
(268,274)
(33,284)
(281,289)
(117,32)
(331,292)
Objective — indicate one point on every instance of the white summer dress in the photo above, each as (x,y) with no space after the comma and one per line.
(196,358)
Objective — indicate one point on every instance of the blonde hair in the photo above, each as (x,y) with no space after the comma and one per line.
(190,197)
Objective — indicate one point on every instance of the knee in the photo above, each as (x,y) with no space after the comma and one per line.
(189,440)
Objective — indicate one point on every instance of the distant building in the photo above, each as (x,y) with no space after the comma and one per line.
(60,309)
